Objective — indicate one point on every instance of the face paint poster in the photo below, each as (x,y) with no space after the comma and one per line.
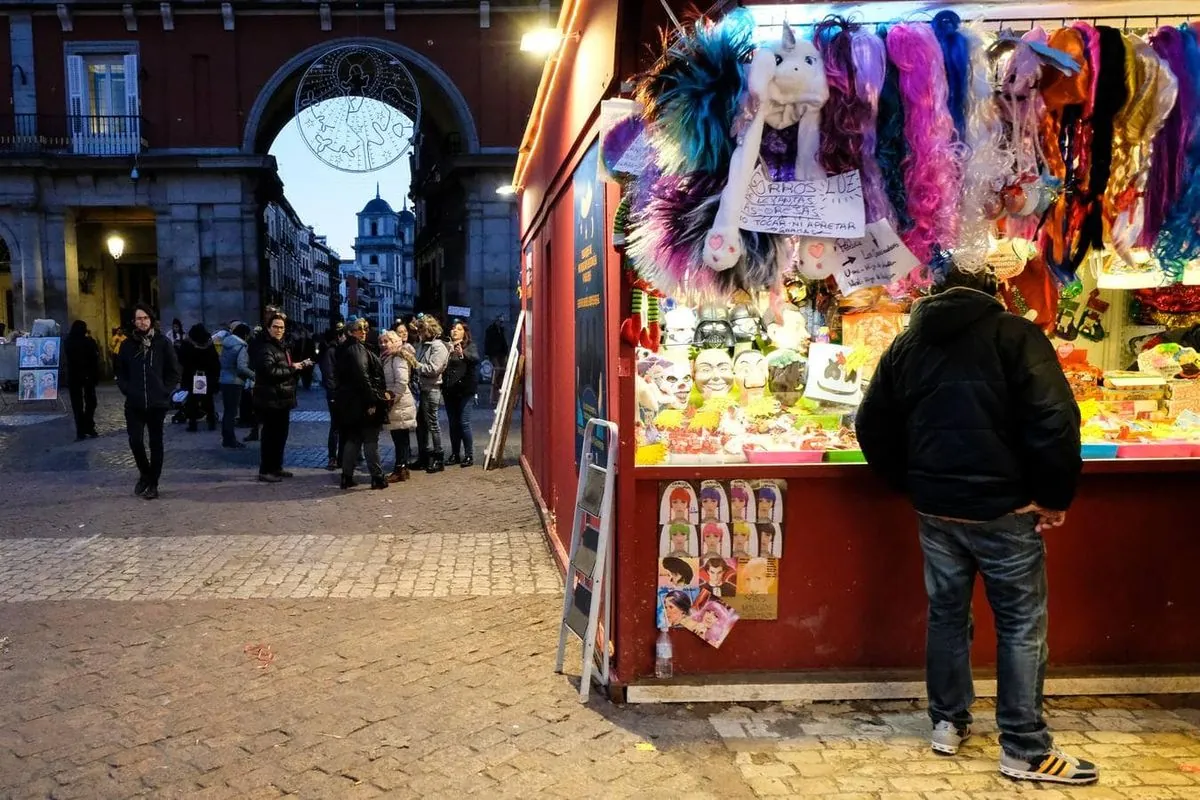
(719,548)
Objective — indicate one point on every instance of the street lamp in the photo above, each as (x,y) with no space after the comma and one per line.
(116,246)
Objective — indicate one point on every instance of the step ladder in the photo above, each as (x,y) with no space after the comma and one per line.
(588,585)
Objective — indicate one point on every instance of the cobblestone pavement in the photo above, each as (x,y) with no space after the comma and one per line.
(236,639)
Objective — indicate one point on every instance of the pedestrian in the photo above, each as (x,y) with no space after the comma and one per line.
(432,359)
(334,338)
(116,339)
(248,418)
(460,384)
(235,371)
(82,354)
(199,360)
(275,381)
(362,402)
(969,413)
(398,361)
(176,337)
(495,349)
(147,374)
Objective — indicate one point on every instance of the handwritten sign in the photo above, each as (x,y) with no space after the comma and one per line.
(877,259)
(633,161)
(820,207)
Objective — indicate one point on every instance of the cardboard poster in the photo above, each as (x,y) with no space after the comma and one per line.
(38,361)
(877,259)
(830,206)
(757,588)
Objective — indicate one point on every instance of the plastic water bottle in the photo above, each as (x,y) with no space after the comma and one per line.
(663,655)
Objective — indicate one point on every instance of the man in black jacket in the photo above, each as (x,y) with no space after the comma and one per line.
(362,404)
(147,374)
(969,413)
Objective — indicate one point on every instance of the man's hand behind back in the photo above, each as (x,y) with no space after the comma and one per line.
(1047,518)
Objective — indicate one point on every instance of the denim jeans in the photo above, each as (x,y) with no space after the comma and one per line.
(431,401)
(139,421)
(458,414)
(231,398)
(363,439)
(1011,556)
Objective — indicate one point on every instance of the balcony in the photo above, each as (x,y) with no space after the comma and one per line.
(33,134)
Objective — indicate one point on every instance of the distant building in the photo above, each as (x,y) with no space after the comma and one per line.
(302,275)
(383,255)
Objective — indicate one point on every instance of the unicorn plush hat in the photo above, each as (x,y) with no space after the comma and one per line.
(786,86)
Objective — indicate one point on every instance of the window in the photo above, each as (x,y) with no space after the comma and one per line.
(373,260)
(102,98)
(374,230)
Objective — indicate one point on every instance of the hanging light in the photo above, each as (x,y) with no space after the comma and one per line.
(541,41)
(506,190)
(116,246)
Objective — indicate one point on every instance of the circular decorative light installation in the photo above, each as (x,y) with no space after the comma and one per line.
(358,108)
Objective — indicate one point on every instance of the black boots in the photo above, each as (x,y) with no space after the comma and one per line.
(348,482)
(436,464)
(453,459)
(467,462)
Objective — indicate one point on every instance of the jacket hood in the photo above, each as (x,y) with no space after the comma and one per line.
(232,340)
(946,315)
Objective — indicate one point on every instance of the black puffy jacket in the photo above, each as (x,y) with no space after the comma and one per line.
(358,374)
(970,414)
(274,377)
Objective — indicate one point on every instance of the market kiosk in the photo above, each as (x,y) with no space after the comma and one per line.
(745,518)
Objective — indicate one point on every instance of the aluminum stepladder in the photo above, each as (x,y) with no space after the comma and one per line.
(590,563)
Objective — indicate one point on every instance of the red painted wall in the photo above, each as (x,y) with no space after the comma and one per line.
(200,81)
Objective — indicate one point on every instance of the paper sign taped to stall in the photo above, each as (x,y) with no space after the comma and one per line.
(819,207)
(877,259)
(636,154)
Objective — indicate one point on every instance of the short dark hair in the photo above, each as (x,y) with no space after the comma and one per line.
(983,280)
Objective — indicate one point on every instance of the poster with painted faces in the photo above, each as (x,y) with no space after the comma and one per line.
(721,542)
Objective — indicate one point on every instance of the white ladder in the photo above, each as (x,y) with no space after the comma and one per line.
(590,562)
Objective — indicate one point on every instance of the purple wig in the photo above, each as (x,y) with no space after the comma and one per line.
(1167,160)
(844,115)
(870,62)
(932,174)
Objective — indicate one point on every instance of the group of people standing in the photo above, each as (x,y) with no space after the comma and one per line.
(399,386)
(396,381)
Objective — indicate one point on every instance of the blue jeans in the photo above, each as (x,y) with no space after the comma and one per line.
(1011,556)
(231,397)
(458,413)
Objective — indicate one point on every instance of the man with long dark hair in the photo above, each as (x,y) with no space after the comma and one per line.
(147,374)
(970,414)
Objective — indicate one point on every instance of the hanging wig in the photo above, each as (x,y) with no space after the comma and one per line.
(870,62)
(986,167)
(1140,121)
(890,147)
(844,115)
(1165,183)
(1066,98)
(1021,106)
(931,171)
(957,60)
(692,93)
(1179,240)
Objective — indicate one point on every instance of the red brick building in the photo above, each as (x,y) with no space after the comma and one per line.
(152,120)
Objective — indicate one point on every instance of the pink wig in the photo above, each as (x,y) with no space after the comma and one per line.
(844,115)
(870,68)
(932,175)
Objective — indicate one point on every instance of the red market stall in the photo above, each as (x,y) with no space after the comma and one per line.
(739,483)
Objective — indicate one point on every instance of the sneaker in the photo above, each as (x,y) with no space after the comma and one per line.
(140,487)
(265,478)
(1053,767)
(948,737)
(151,493)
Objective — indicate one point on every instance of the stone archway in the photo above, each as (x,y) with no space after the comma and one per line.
(11,310)
(252,139)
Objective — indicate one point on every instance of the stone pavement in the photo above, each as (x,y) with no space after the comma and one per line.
(236,639)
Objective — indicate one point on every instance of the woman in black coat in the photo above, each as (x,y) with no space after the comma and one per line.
(83,372)
(362,401)
(275,378)
(460,383)
(198,356)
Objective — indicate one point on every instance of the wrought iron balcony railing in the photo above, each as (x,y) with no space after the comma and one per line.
(71,134)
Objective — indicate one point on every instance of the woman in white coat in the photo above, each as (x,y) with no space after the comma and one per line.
(399,358)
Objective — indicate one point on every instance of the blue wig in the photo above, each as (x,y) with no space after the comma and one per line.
(890,145)
(1179,238)
(693,93)
(956,53)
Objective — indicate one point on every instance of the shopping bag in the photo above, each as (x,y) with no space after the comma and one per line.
(200,384)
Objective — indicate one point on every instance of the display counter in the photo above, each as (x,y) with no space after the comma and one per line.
(851,595)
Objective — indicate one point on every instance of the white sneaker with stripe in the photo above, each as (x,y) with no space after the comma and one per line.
(1053,767)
